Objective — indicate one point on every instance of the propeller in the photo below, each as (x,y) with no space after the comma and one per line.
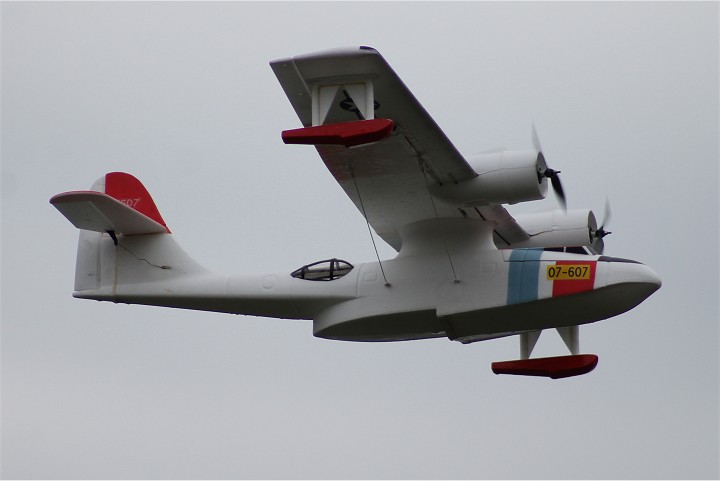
(547,172)
(598,244)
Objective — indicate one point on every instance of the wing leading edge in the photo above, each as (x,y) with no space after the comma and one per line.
(388,181)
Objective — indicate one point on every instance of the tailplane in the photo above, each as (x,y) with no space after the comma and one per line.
(117,203)
(124,242)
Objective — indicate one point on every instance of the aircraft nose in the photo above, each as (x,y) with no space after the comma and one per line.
(651,277)
(646,276)
(625,271)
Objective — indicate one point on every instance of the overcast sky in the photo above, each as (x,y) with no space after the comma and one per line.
(625,98)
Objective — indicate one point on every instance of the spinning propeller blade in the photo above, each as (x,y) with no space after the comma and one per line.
(548,172)
(598,243)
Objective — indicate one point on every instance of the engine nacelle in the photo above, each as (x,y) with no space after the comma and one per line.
(557,228)
(505,177)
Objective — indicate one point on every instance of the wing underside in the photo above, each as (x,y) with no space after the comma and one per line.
(388,181)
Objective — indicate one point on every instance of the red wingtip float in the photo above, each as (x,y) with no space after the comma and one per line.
(552,367)
(348,134)
(466,269)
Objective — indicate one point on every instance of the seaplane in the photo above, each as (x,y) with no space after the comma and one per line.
(465,269)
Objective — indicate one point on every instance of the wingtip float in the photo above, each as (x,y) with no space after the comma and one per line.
(557,367)
(348,134)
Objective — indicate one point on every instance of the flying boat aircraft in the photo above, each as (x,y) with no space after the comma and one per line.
(465,268)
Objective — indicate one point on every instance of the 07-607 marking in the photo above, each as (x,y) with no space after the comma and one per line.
(568,272)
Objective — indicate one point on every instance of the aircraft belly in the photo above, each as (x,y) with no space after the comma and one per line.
(571,310)
(489,295)
(419,291)
(397,326)
(403,308)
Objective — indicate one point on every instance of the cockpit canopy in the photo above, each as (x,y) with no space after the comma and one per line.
(327,270)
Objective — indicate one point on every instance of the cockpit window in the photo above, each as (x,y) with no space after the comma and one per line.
(327,270)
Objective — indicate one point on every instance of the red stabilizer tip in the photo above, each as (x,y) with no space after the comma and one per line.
(552,367)
(349,134)
(131,192)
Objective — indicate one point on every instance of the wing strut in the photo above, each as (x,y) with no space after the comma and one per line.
(432,201)
(362,206)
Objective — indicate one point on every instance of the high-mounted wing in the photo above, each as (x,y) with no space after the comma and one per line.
(389,181)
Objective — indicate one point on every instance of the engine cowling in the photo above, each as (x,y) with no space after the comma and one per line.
(505,177)
(557,228)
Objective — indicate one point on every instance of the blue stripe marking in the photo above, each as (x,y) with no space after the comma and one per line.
(523,275)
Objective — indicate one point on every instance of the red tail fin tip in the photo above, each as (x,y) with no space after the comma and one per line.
(131,192)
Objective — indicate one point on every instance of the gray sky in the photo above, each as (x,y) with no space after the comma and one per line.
(625,98)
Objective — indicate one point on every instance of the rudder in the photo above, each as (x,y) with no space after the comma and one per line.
(130,191)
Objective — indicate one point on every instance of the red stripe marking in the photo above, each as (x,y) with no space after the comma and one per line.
(567,287)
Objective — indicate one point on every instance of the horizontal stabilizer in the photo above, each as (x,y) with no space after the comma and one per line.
(117,203)
(553,367)
(99,212)
(349,134)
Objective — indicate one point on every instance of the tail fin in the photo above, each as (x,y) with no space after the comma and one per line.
(124,241)
(117,204)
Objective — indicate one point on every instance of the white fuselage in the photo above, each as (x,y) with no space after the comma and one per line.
(451,283)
